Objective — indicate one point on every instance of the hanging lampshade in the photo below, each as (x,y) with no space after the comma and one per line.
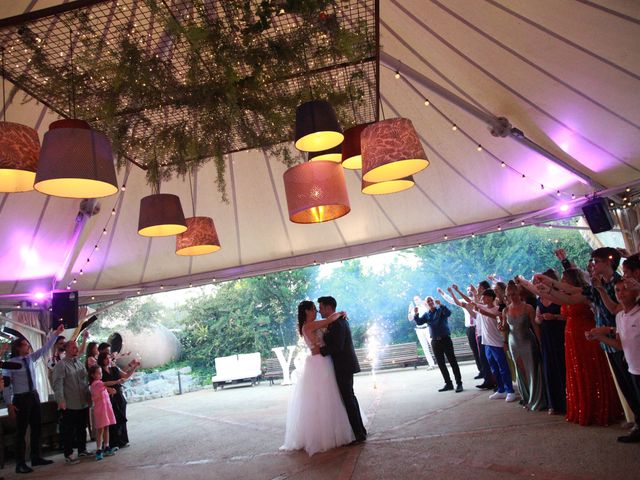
(391,150)
(316,192)
(317,127)
(75,162)
(19,148)
(390,186)
(199,239)
(161,215)
(332,155)
(351,154)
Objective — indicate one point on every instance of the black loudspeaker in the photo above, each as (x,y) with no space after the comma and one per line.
(64,309)
(597,215)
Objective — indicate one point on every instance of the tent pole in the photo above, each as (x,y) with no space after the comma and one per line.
(498,126)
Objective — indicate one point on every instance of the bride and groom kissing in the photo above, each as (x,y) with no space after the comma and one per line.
(323,411)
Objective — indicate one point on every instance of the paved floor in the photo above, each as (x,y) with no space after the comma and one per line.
(415,433)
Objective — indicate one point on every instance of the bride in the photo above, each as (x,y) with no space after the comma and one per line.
(316,418)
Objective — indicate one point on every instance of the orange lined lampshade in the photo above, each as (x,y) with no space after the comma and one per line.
(391,150)
(332,155)
(317,127)
(19,148)
(200,238)
(390,186)
(75,162)
(316,192)
(351,153)
(161,215)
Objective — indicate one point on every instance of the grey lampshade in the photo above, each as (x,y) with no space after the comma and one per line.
(161,215)
(75,162)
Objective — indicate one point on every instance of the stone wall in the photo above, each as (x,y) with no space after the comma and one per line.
(146,386)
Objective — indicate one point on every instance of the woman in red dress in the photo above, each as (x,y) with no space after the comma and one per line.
(591,393)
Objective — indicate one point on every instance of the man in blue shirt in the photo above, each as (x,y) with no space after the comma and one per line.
(23,401)
(436,317)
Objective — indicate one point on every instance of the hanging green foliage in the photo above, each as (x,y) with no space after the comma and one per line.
(175,88)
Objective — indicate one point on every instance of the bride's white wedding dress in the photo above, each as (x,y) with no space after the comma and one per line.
(316,418)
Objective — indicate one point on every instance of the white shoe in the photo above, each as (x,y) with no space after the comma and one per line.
(511,397)
(498,396)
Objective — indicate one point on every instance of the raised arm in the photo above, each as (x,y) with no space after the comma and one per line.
(608,302)
(448,298)
(110,383)
(335,340)
(47,344)
(462,295)
(486,312)
(312,326)
(605,335)
(527,284)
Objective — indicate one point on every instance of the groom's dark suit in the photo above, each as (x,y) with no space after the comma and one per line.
(339,345)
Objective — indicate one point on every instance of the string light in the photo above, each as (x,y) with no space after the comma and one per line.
(96,246)
(426,102)
(479,146)
(397,75)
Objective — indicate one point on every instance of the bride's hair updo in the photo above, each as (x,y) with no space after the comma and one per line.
(302,312)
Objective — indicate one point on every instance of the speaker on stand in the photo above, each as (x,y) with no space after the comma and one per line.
(597,214)
(64,309)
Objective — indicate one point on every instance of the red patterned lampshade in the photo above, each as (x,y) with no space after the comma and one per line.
(161,215)
(317,127)
(351,153)
(332,155)
(19,148)
(390,186)
(316,192)
(391,150)
(75,162)
(199,239)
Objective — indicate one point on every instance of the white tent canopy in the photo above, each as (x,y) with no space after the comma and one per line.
(566,73)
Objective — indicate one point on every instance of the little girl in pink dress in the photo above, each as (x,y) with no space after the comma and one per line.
(102,410)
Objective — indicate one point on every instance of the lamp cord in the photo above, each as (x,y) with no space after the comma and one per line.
(4,100)
(193,201)
(72,95)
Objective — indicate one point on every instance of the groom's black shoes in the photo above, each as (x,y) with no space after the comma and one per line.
(358,441)
(447,387)
(459,387)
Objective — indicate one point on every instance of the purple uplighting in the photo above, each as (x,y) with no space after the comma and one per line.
(564,207)
(38,295)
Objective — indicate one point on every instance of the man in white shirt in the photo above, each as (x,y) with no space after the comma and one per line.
(625,336)
(422,331)
(493,342)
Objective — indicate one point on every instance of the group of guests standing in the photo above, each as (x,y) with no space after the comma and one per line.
(88,392)
(572,343)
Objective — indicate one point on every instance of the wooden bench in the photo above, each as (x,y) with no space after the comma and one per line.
(461,348)
(272,370)
(390,356)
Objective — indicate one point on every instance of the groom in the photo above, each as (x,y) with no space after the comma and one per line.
(339,345)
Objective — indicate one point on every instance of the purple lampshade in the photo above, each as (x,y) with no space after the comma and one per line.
(317,127)
(75,162)
(161,215)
